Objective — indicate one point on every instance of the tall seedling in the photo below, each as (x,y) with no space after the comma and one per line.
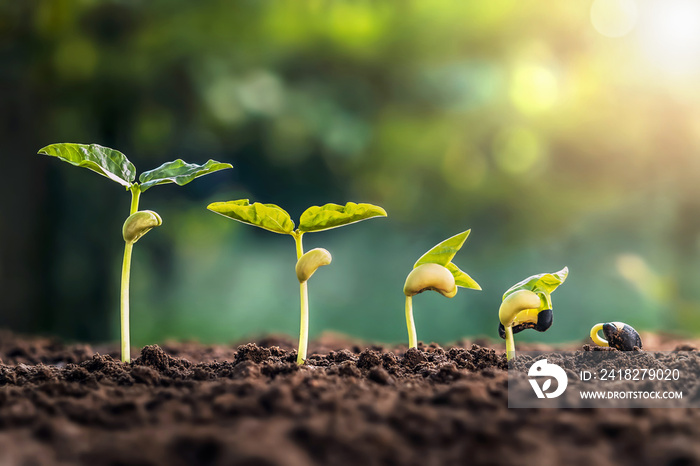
(274,218)
(115,166)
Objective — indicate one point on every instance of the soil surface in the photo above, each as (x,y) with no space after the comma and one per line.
(190,404)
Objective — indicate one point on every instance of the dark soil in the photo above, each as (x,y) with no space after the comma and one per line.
(189,404)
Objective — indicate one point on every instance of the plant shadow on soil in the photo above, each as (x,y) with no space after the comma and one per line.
(190,404)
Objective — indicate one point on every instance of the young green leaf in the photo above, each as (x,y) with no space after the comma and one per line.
(179,172)
(333,216)
(267,216)
(543,284)
(444,252)
(462,278)
(103,160)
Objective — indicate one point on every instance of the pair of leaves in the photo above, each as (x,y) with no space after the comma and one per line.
(543,285)
(273,218)
(443,253)
(115,166)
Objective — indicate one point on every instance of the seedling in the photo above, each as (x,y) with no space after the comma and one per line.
(435,271)
(618,335)
(274,218)
(528,304)
(115,166)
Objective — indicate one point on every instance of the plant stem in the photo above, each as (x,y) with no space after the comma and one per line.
(126,269)
(510,343)
(126,273)
(410,324)
(304,325)
(596,338)
(297,239)
(135,195)
(304,297)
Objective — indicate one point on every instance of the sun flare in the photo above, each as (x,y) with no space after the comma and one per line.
(670,34)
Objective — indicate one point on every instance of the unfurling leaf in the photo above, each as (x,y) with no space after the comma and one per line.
(462,279)
(139,223)
(267,216)
(103,160)
(333,216)
(543,285)
(443,253)
(179,172)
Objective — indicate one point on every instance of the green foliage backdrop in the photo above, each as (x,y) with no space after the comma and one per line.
(557,146)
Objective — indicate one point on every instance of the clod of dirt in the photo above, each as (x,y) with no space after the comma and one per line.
(413,357)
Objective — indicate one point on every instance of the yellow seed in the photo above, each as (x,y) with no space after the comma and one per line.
(139,223)
(309,262)
(516,303)
(430,277)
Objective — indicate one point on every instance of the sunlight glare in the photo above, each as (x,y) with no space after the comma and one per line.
(671,34)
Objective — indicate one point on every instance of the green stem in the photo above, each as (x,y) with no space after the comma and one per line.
(410,324)
(126,268)
(304,297)
(135,195)
(126,273)
(297,239)
(510,343)
(304,325)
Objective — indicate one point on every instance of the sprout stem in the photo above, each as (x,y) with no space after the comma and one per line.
(126,273)
(304,324)
(126,269)
(510,343)
(135,195)
(410,324)
(304,296)
(596,337)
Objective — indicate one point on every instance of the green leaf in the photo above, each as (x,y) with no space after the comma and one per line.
(267,216)
(333,216)
(461,278)
(103,160)
(179,172)
(543,284)
(443,253)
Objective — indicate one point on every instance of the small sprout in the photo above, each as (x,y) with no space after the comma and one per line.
(309,262)
(618,335)
(528,304)
(273,218)
(435,271)
(139,223)
(114,165)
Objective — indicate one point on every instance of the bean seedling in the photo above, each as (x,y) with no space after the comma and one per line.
(274,218)
(434,270)
(528,304)
(115,166)
(618,335)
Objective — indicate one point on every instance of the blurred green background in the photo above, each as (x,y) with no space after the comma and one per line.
(561,133)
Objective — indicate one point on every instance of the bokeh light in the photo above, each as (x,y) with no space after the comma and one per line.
(614,18)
